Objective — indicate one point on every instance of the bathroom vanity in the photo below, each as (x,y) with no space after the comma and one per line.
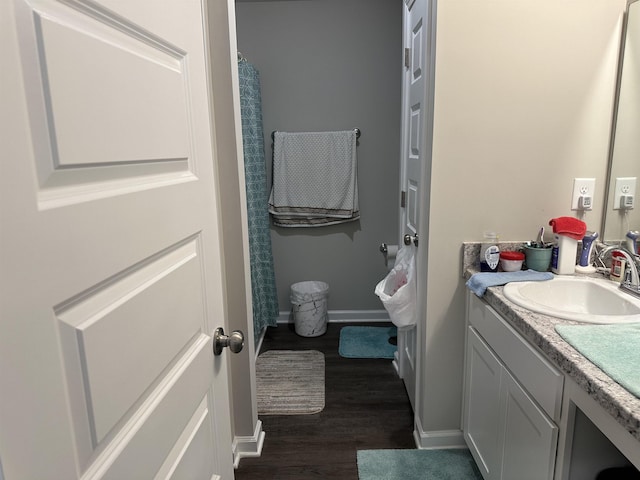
(534,407)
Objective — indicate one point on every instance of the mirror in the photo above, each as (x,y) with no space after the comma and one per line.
(625,154)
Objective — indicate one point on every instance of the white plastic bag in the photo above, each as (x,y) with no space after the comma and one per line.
(397,290)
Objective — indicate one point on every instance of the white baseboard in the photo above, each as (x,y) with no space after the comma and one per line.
(345,316)
(396,363)
(248,446)
(437,439)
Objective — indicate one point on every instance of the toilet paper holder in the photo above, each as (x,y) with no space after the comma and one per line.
(389,253)
(384,248)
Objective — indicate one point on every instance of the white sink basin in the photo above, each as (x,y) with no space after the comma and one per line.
(584,299)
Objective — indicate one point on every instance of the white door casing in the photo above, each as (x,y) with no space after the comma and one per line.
(111,279)
(413,126)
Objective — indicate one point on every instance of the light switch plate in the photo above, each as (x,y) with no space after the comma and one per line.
(624,186)
(582,187)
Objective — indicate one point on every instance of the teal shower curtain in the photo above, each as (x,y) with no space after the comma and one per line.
(263,283)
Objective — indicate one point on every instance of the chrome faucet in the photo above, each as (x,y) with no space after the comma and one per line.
(631,283)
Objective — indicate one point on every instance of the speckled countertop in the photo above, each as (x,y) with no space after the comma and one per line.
(539,330)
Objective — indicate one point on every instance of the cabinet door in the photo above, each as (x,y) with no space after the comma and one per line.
(482,405)
(528,436)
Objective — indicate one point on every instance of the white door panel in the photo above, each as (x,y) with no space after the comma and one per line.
(143,443)
(154,128)
(192,460)
(412,172)
(110,268)
(87,147)
(413,125)
(133,316)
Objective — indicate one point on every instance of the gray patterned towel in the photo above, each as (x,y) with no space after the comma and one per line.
(314,179)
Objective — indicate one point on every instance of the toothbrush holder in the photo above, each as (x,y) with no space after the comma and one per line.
(537,259)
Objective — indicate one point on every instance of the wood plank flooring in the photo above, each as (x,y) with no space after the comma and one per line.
(366,407)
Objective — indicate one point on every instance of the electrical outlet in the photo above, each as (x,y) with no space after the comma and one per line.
(582,187)
(624,186)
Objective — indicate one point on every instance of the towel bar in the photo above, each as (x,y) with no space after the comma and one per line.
(357,130)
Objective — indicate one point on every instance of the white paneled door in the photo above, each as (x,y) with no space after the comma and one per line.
(110,268)
(413,131)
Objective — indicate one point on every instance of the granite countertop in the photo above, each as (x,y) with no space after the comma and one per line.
(539,330)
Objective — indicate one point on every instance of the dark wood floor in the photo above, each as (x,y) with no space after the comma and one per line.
(366,407)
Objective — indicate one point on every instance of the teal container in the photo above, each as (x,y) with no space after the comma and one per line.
(538,259)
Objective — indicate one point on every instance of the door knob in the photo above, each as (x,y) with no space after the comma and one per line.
(408,239)
(235,341)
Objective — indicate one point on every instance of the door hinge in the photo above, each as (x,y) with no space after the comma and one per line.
(403,199)
(407,57)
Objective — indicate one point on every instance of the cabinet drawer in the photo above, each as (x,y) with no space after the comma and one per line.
(543,382)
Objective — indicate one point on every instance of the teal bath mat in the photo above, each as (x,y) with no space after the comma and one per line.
(367,342)
(449,464)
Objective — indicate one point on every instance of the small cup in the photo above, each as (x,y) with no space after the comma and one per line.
(511,261)
(538,259)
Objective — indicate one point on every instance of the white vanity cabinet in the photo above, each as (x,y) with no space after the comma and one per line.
(512,399)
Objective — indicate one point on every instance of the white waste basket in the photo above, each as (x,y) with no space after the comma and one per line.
(309,304)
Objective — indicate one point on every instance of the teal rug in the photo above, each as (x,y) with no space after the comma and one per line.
(450,464)
(367,342)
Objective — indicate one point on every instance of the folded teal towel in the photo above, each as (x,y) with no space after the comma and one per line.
(615,349)
(479,282)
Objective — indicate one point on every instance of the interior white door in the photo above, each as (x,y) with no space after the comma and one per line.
(110,265)
(413,127)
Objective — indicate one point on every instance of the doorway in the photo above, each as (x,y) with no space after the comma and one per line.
(316,78)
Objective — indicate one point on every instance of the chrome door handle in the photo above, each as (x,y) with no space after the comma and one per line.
(235,341)
(408,239)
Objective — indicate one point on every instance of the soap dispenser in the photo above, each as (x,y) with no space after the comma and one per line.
(584,263)
(489,253)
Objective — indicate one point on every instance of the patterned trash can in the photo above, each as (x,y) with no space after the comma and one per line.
(309,305)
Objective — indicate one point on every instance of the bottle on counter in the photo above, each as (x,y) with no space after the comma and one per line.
(618,266)
(563,255)
(489,253)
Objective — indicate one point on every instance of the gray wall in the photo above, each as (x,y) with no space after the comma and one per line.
(333,65)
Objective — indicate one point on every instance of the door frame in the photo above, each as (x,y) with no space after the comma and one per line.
(221,47)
